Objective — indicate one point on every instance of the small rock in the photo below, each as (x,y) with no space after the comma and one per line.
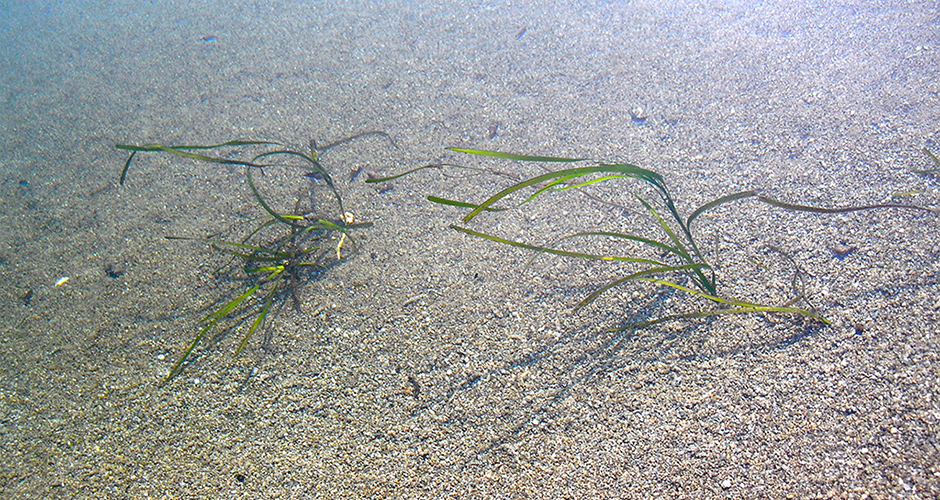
(638,115)
(726,484)
(840,252)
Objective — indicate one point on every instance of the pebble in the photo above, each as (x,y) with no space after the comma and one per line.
(638,114)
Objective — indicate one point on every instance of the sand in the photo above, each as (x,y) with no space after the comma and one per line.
(437,365)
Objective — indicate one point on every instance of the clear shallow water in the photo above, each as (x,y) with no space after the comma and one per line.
(814,102)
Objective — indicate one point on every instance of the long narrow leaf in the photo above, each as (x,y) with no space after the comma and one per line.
(318,169)
(212,319)
(589,182)
(703,281)
(554,251)
(179,150)
(266,207)
(512,156)
(753,307)
(184,151)
(259,320)
(822,210)
(462,204)
(127,165)
(160,147)
(677,243)
(634,277)
(547,187)
(929,170)
(393,177)
(719,312)
(720,201)
(624,169)
(639,239)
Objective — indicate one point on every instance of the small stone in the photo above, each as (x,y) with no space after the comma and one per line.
(726,484)
(638,115)
(840,252)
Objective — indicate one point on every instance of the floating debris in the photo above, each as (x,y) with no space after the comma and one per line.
(61,281)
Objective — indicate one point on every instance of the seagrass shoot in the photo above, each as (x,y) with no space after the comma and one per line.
(266,260)
(674,260)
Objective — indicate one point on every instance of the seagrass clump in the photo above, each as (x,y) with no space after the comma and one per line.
(675,260)
(268,261)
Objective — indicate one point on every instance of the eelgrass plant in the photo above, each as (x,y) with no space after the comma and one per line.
(674,260)
(279,251)
(936,161)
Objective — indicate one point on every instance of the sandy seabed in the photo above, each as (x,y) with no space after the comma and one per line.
(433,364)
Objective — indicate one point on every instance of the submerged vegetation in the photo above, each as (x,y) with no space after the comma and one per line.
(936,161)
(270,260)
(674,260)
